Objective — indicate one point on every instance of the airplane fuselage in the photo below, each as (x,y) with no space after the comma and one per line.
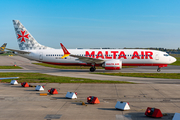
(110,59)
(130,57)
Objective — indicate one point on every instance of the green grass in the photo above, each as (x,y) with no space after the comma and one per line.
(10,67)
(73,67)
(177,62)
(6,54)
(146,75)
(43,78)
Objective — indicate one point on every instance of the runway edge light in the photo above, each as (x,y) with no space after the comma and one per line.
(71,95)
(176,116)
(122,105)
(53,91)
(24,84)
(13,82)
(153,112)
(39,88)
(93,100)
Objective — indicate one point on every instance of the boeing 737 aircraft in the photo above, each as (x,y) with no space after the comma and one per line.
(2,48)
(110,59)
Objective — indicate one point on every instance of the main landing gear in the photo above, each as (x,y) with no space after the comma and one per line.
(159,69)
(92,69)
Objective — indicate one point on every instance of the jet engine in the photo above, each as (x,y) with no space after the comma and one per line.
(112,65)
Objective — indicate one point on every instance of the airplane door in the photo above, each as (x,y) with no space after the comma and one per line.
(157,56)
(40,56)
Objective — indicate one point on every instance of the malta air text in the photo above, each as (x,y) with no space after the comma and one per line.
(119,54)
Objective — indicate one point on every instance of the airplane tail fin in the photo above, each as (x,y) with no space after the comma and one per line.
(3,47)
(66,52)
(25,40)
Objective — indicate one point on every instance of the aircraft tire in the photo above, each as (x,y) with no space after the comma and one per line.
(92,69)
(159,70)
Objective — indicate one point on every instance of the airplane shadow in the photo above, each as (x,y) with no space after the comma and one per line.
(6,84)
(17,86)
(59,98)
(142,116)
(81,103)
(31,90)
(112,109)
(78,103)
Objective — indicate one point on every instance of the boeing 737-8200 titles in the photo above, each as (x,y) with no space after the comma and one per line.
(110,59)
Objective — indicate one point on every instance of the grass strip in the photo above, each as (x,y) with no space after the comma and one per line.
(146,75)
(10,67)
(44,78)
(7,54)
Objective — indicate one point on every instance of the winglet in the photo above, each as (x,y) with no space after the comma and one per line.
(66,52)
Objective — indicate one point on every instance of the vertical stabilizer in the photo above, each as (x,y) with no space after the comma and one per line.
(25,40)
(3,47)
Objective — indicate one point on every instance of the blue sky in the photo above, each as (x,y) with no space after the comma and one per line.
(94,23)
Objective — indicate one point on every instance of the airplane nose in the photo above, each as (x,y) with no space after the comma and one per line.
(173,59)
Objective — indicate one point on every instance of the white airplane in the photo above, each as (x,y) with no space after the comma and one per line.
(110,59)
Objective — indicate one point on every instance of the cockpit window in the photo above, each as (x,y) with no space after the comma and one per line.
(166,55)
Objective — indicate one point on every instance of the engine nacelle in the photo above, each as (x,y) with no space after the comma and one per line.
(112,65)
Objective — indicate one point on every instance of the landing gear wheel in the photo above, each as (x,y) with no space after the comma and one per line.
(92,69)
(159,70)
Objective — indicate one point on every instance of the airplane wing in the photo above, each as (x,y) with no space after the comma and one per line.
(88,59)
(81,58)
(18,51)
(9,78)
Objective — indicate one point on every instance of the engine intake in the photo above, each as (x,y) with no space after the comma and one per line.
(112,65)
